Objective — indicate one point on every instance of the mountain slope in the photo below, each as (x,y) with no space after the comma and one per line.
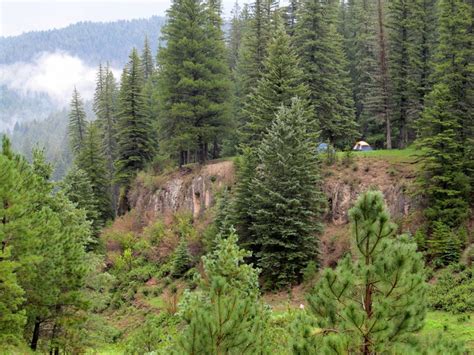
(93,42)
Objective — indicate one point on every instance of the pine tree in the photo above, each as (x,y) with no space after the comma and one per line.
(193,80)
(134,144)
(287,201)
(12,316)
(281,80)
(77,122)
(147,64)
(77,187)
(224,316)
(320,49)
(235,35)
(372,303)
(92,161)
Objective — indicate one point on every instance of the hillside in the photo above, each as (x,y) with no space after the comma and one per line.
(93,42)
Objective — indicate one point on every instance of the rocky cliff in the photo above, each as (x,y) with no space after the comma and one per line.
(194,189)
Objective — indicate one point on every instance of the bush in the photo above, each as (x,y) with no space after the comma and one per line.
(444,245)
(453,290)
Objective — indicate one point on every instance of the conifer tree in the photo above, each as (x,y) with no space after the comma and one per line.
(224,316)
(77,122)
(444,130)
(92,161)
(12,316)
(404,23)
(235,35)
(243,206)
(181,259)
(134,143)
(77,187)
(281,80)
(193,80)
(147,63)
(287,201)
(105,107)
(372,303)
(320,49)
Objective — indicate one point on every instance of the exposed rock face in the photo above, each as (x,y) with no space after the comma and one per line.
(187,190)
(345,185)
(194,190)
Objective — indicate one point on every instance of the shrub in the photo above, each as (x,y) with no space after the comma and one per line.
(453,290)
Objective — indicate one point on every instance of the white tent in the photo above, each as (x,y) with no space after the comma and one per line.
(361,145)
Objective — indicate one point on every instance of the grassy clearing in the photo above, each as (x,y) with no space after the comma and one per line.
(392,155)
(458,327)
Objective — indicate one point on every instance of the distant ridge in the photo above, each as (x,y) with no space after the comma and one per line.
(93,42)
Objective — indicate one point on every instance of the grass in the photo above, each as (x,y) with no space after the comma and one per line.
(458,327)
(392,155)
(156,302)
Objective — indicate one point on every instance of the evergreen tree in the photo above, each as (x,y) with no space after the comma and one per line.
(193,80)
(404,23)
(281,80)
(77,187)
(77,122)
(12,316)
(147,64)
(256,34)
(243,214)
(105,106)
(224,316)
(287,201)
(445,130)
(182,259)
(235,35)
(372,303)
(92,161)
(134,143)
(320,48)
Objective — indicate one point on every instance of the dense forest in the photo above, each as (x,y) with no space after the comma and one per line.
(82,270)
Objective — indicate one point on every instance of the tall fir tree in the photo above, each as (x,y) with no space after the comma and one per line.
(77,122)
(92,161)
(320,48)
(134,144)
(281,80)
(445,131)
(193,80)
(148,66)
(287,201)
(404,24)
(105,108)
(372,303)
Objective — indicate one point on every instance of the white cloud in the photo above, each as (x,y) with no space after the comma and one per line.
(55,74)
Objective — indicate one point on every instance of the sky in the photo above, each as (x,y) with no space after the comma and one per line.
(18,16)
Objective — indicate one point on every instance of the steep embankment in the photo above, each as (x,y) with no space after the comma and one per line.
(194,189)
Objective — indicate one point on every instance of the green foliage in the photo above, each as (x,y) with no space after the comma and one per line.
(77,123)
(133,128)
(281,80)
(370,304)
(444,245)
(323,61)
(91,160)
(224,316)
(77,187)
(148,336)
(453,290)
(287,205)
(193,81)
(181,259)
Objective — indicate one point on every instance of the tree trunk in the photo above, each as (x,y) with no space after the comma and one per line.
(36,334)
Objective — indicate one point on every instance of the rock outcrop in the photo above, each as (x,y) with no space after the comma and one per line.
(194,190)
